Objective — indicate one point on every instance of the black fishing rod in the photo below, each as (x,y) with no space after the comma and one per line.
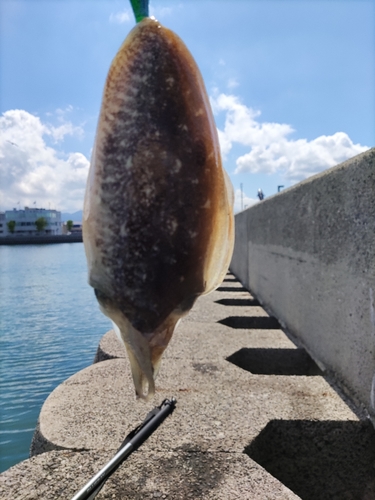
(131,443)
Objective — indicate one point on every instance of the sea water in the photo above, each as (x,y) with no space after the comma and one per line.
(50,326)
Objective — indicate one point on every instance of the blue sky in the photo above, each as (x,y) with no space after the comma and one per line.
(292,85)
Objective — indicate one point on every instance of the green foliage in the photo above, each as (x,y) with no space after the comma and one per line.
(40,223)
(69,225)
(11,226)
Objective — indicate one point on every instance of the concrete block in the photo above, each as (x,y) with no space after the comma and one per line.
(144,475)
(220,407)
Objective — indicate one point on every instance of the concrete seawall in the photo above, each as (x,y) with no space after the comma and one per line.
(308,255)
(41,239)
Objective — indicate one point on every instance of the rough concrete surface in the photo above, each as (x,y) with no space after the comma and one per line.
(308,254)
(172,475)
(215,400)
(209,447)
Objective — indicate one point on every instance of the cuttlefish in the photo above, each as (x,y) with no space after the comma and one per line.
(158,217)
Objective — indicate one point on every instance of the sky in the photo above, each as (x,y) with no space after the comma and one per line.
(291,84)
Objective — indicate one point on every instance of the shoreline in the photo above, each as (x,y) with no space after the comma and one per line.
(43,239)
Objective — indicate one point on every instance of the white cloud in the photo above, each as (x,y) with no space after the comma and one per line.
(225,143)
(58,133)
(121,17)
(242,201)
(31,170)
(271,149)
(66,128)
(232,83)
(300,159)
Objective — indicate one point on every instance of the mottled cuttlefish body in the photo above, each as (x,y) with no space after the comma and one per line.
(158,221)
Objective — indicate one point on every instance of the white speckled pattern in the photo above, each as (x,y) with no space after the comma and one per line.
(158,221)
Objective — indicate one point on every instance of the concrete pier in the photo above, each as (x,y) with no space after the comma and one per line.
(308,254)
(255,419)
(40,239)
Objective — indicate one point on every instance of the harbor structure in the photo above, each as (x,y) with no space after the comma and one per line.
(30,222)
(75,227)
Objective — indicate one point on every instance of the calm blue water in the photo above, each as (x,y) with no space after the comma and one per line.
(50,329)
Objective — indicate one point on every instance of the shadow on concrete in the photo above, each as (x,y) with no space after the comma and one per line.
(256,322)
(238,302)
(187,474)
(231,289)
(232,280)
(196,473)
(262,361)
(325,460)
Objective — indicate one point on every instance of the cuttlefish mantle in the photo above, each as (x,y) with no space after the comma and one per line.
(158,219)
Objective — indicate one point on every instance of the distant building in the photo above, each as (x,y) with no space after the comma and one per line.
(75,229)
(24,222)
(3,226)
